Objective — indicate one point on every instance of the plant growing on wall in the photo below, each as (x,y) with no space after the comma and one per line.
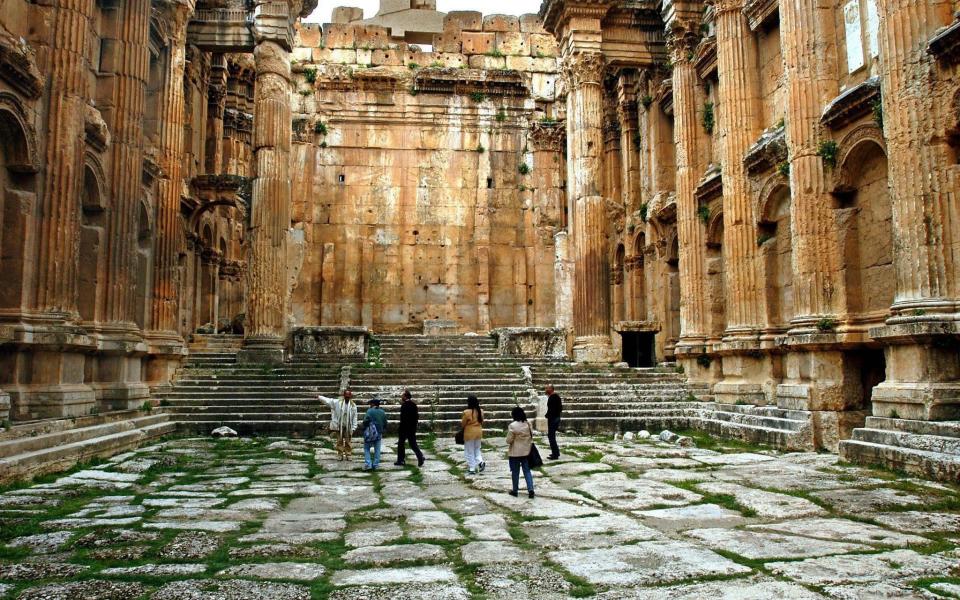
(310,75)
(646,101)
(877,107)
(784,168)
(547,121)
(413,66)
(827,150)
(436,65)
(703,212)
(501,116)
(320,127)
(495,53)
(826,324)
(480,149)
(708,118)
(637,140)
(524,168)
(478,97)
(643,211)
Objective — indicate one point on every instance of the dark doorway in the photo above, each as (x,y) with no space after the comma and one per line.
(638,349)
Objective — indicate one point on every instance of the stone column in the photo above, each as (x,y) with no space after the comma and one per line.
(69,79)
(270,215)
(216,103)
(739,124)
(118,378)
(923,373)
(629,175)
(690,230)
(591,297)
(166,344)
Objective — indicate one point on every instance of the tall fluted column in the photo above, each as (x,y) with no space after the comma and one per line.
(739,126)
(69,80)
(270,218)
(591,299)
(922,371)
(690,231)
(811,84)
(168,230)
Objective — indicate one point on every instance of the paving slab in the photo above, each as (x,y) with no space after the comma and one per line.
(232,589)
(413,591)
(488,527)
(373,533)
(689,517)
(279,549)
(218,526)
(28,571)
(42,543)
(844,530)
(390,554)
(653,562)
(605,529)
(511,582)
(768,545)
(916,521)
(575,468)
(863,568)
(488,553)
(857,501)
(766,504)
(191,545)
(951,590)
(879,591)
(94,589)
(158,570)
(755,588)
(293,571)
(542,508)
(393,576)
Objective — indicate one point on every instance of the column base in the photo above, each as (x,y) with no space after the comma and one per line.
(4,405)
(922,369)
(594,349)
(261,351)
(166,351)
(54,401)
(44,383)
(749,377)
(830,427)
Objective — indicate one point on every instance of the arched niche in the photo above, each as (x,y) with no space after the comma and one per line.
(145,237)
(716,274)
(619,289)
(18,165)
(93,208)
(637,277)
(776,247)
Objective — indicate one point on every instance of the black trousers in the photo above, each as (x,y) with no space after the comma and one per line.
(410,436)
(552,426)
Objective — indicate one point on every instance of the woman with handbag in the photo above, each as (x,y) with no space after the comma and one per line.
(472,424)
(519,449)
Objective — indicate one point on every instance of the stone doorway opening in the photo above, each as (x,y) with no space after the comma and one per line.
(638,348)
(872,366)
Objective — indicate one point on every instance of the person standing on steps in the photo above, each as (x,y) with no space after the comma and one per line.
(374,424)
(409,417)
(554,410)
(343,421)
(519,441)
(472,423)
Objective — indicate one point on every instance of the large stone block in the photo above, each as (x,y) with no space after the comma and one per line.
(447,42)
(530,23)
(481,61)
(501,23)
(346,14)
(463,20)
(512,43)
(478,43)
(341,36)
(542,45)
(340,341)
(309,35)
(531,341)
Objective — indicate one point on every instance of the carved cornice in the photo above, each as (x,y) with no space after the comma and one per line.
(710,186)
(683,35)
(705,59)
(767,152)
(548,136)
(494,82)
(18,67)
(852,104)
(945,44)
(583,68)
(760,12)
(95,128)
(666,207)
(664,96)
(554,13)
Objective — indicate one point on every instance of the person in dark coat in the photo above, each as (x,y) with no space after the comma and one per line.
(554,410)
(409,417)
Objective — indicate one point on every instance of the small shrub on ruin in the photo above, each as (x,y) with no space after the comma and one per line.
(413,66)
(480,149)
(524,168)
(310,75)
(501,116)
(877,107)
(306,93)
(320,127)
(548,121)
(637,140)
(703,212)
(708,117)
(495,53)
(436,65)
(478,97)
(784,168)
(826,324)
(643,211)
(827,150)
(646,101)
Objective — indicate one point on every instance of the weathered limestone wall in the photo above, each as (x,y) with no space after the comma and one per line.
(426,185)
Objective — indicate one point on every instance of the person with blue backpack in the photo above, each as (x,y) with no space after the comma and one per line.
(374,425)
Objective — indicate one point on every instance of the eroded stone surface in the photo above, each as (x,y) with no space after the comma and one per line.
(278,570)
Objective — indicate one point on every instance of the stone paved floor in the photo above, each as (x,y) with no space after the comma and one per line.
(283,519)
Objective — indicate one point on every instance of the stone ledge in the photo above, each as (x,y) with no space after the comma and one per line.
(330,340)
(531,341)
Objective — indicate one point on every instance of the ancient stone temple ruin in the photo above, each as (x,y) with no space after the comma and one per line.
(733,216)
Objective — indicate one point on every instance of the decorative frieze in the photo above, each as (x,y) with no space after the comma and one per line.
(760,12)
(852,104)
(767,152)
(945,45)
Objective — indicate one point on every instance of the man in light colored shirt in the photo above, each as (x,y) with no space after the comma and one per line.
(343,421)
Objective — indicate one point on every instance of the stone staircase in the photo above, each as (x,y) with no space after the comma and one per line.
(929,449)
(610,399)
(29,449)
(213,390)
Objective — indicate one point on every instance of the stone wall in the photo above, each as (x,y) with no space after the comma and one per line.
(427,185)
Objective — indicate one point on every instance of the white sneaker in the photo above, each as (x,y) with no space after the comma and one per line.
(471,472)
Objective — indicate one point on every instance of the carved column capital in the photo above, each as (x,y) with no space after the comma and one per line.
(548,137)
(584,68)
(682,39)
(725,6)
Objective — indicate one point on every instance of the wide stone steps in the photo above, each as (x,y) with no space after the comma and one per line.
(69,441)
(926,448)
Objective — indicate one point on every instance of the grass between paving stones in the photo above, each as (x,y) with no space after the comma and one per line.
(727,501)
(723,445)
(926,583)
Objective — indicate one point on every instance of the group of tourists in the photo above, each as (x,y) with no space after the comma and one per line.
(521,451)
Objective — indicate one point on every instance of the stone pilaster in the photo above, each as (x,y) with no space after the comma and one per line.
(166,344)
(923,336)
(739,122)
(591,297)
(270,215)
(629,141)
(690,231)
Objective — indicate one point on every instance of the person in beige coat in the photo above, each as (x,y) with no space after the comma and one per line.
(519,440)
(472,423)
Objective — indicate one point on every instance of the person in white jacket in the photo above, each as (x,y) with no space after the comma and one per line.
(343,421)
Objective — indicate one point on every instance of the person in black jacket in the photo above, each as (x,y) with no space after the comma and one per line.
(409,416)
(554,410)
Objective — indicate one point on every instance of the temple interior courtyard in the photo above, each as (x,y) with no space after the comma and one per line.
(726,232)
